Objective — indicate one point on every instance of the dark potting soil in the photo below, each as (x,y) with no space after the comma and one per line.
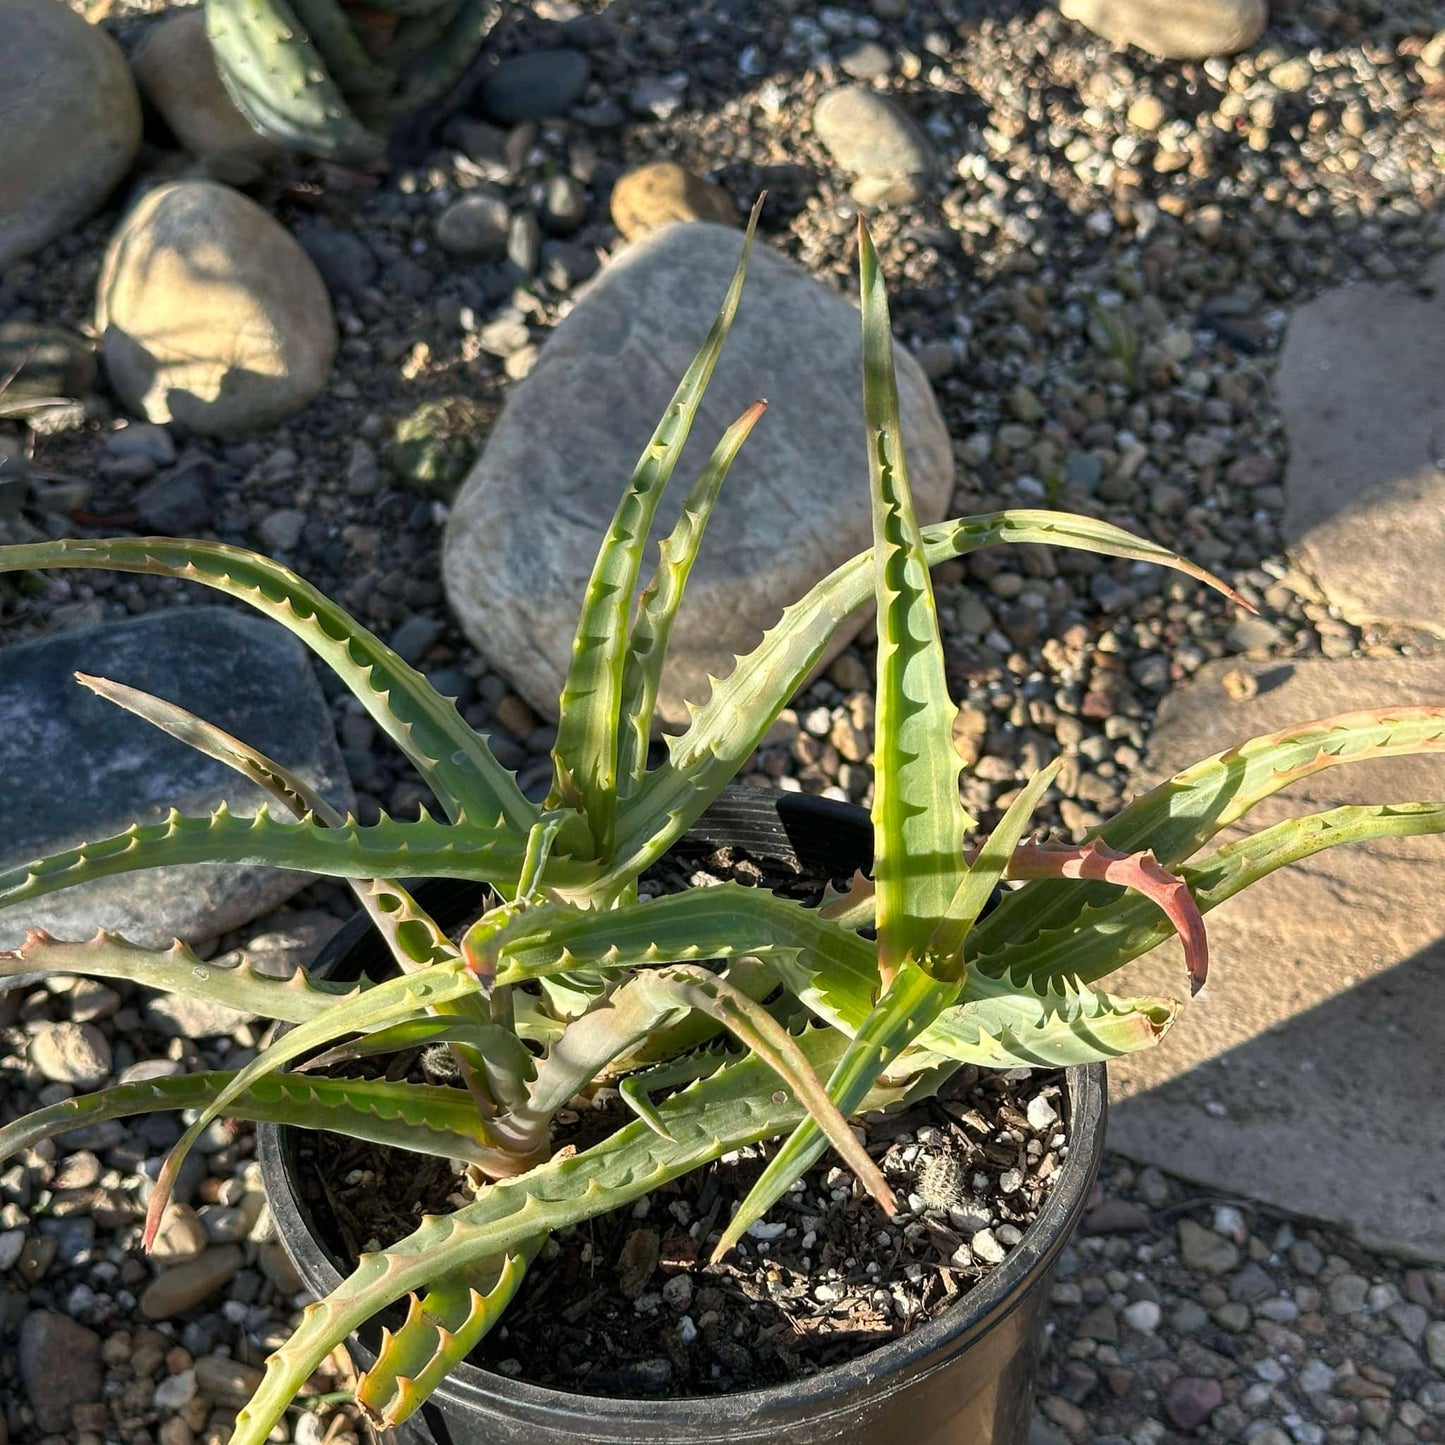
(626,1303)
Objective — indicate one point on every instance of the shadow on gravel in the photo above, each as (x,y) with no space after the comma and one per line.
(1335,1114)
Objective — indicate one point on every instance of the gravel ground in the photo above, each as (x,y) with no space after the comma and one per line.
(1097,285)
(1179,1317)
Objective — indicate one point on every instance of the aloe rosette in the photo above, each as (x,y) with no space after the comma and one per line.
(569,979)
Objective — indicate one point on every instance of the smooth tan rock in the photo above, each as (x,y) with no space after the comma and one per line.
(1361,387)
(1309,1072)
(1173,29)
(525,528)
(870,135)
(276,1265)
(226,1381)
(181,1237)
(211,314)
(174,1291)
(70,119)
(176,71)
(661,192)
(70,1053)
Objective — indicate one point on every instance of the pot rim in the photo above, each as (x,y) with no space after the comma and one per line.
(753,1413)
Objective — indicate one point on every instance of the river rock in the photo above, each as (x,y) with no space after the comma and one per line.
(74,767)
(661,192)
(211,314)
(1361,386)
(181,1237)
(537,85)
(1251,1094)
(1187,30)
(1203,1250)
(176,71)
(1190,1401)
(174,1291)
(526,525)
(475,227)
(71,1053)
(60,1368)
(226,1381)
(71,121)
(867,134)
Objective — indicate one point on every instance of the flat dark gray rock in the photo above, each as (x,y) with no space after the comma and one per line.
(75,768)
(1309,1072)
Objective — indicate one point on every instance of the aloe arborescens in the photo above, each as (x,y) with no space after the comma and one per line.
(570,980)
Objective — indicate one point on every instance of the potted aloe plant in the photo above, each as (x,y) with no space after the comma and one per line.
(720,1018)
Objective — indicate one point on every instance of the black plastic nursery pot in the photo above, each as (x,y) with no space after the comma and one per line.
(963,1378)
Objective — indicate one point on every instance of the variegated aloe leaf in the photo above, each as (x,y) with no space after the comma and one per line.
(702,923)
(988,866)
(855,907)
(1178,817)
(651,999)
(997,1025)
(822,962)
(177,970)
(736,1106)
(439,1332)
(492,1061)
(635,1089)
(751,1024)
(727,728)
(749,975)
(918,819)
(420,1034)
(1137,871)
(657,607)
(379,1007)
(912,1001)
(454,760)
(424,847)
(294,792)
(424,1118)
(413,938)
(585,755)
(1105,937)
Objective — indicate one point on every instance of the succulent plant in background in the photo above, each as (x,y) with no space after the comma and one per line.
(331,77)
(569,979)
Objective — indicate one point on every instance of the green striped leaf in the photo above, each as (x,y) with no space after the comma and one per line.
(424,1118)
(1103,937)
(1178,817)
(919,823)
(585,756)
(657,609)
(726,730)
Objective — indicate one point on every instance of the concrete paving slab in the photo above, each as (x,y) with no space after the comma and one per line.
(1310,1074)
(1361,390)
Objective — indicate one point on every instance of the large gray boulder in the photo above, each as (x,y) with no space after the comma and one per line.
(75,768)
(1361,386)
(70,118)
(527,523)
(1303,1074)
